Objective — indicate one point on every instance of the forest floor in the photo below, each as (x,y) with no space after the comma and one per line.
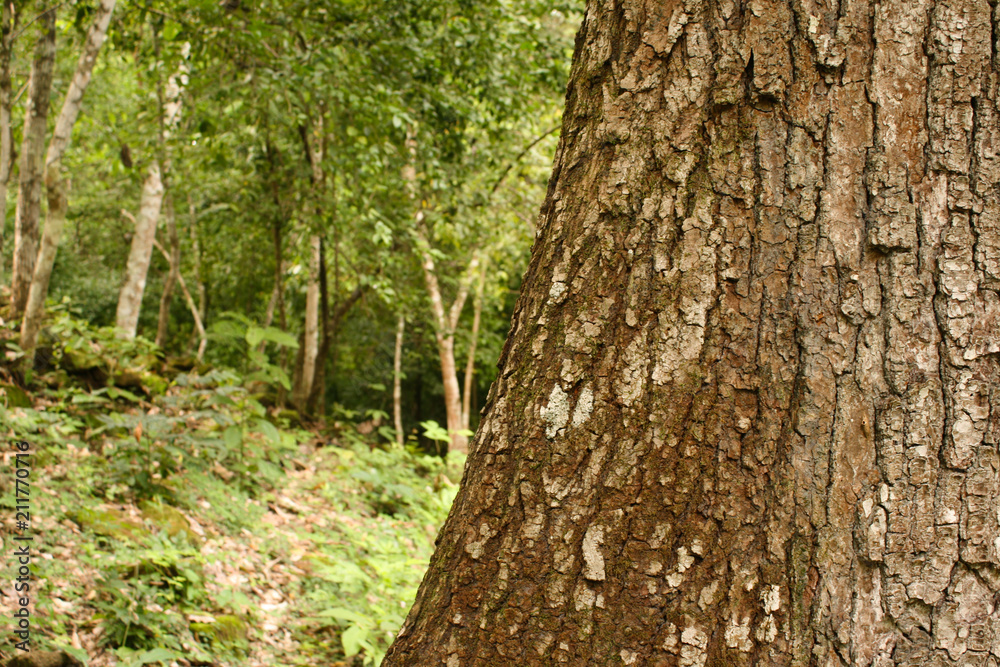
(178,521)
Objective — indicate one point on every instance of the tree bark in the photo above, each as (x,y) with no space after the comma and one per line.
(137,268)
(397,381)
(29,196)
(174,271)
(748,412)
(56,186)
(470,362)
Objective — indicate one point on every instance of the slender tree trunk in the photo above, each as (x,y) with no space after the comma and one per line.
(57,188)
(748,412)
(201,307)
(58,193)
(277,302)
(310,342)
(317,393)
(470,362)
(137,268)
(174,261)
(309,352)
(397,381)
(8,21)
(446,324)
(276,292)
(199,327)
(29,196)
(272,304)
(196,256)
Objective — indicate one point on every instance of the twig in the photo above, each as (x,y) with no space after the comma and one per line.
(187,297)
(518,159)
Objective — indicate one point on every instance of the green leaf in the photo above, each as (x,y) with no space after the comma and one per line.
(352,639)
(280,337)
(254,336)
(268,429)
(116,392)
(434,431)
(342,614)
(156,655)
(226,329)
(233,437)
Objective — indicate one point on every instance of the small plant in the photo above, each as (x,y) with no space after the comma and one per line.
(437,433)
(237,330)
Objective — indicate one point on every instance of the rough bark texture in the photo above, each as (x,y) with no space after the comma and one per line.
(141,252)
(749,409)
(29,196)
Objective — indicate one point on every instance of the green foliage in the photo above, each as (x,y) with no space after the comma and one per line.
(238,331)
(169,491)
(365,578)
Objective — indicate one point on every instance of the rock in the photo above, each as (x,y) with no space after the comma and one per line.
(15,396)
(226,630)
(169,519)
(153,384)
(44,659)
(80,360)
(129,379)
(110,523)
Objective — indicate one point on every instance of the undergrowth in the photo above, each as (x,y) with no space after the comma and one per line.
(177,520)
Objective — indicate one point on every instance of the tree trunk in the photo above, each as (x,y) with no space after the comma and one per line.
(29,196)
(130,297)
(196,256)
(470,362)
(748,412)
(174,261)
(57,188)
(317,393)
(197,311)
(397,381)
(445,324)
(310,343)
(58,193)
(198,326)
(8,20)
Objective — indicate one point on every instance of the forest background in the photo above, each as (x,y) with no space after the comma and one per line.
(258,262)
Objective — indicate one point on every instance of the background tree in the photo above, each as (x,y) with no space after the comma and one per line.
(747,413)
(479,80)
